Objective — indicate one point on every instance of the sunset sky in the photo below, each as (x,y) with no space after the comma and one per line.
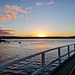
(37,17)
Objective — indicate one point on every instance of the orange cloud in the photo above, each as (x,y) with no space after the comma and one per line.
(0,26)
(39,4)
(10,12)
(21,16)
(29,11)
(28,8)
(2,18)
(15,8)
(42,3)
(50,2)
(7,17)
(6,32)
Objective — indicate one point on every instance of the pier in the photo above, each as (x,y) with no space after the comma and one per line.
(59,66)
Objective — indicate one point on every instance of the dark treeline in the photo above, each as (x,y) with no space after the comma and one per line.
(12,37)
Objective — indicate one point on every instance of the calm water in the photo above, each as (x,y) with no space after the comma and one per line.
(13,50)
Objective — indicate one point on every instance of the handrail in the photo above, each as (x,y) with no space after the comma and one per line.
(43,58)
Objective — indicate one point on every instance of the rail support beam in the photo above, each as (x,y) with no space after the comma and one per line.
(59,56)
(68,51)
(43,62)
(74,48)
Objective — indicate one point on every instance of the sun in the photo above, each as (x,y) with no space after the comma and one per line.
(41,35)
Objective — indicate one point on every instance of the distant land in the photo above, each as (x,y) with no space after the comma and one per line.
(14,37)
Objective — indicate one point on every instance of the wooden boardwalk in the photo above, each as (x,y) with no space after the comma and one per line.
(73,73)
(66,68)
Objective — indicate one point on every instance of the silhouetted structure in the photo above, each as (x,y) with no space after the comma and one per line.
(3,41)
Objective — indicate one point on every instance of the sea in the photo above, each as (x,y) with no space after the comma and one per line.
(19,48)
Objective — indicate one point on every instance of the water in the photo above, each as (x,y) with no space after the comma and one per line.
(13,50)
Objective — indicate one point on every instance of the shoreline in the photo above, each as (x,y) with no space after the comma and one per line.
(4,37)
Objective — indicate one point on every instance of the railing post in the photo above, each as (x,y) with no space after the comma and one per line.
(43,62)
(59,56)
(68,51)
(74,48)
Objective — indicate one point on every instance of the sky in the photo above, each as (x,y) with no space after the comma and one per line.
(37,17)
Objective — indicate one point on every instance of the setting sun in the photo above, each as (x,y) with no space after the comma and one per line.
(41,35)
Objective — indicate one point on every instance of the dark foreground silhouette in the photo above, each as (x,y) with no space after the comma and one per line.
(3,41)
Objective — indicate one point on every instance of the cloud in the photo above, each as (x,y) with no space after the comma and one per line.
(51,2)
(28,8)
(11,16)
(39,4)
(7,17)
(29,11)
(21,16)
(46,3)
(6,32)
(15,8)
(0,26)
(10,12)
